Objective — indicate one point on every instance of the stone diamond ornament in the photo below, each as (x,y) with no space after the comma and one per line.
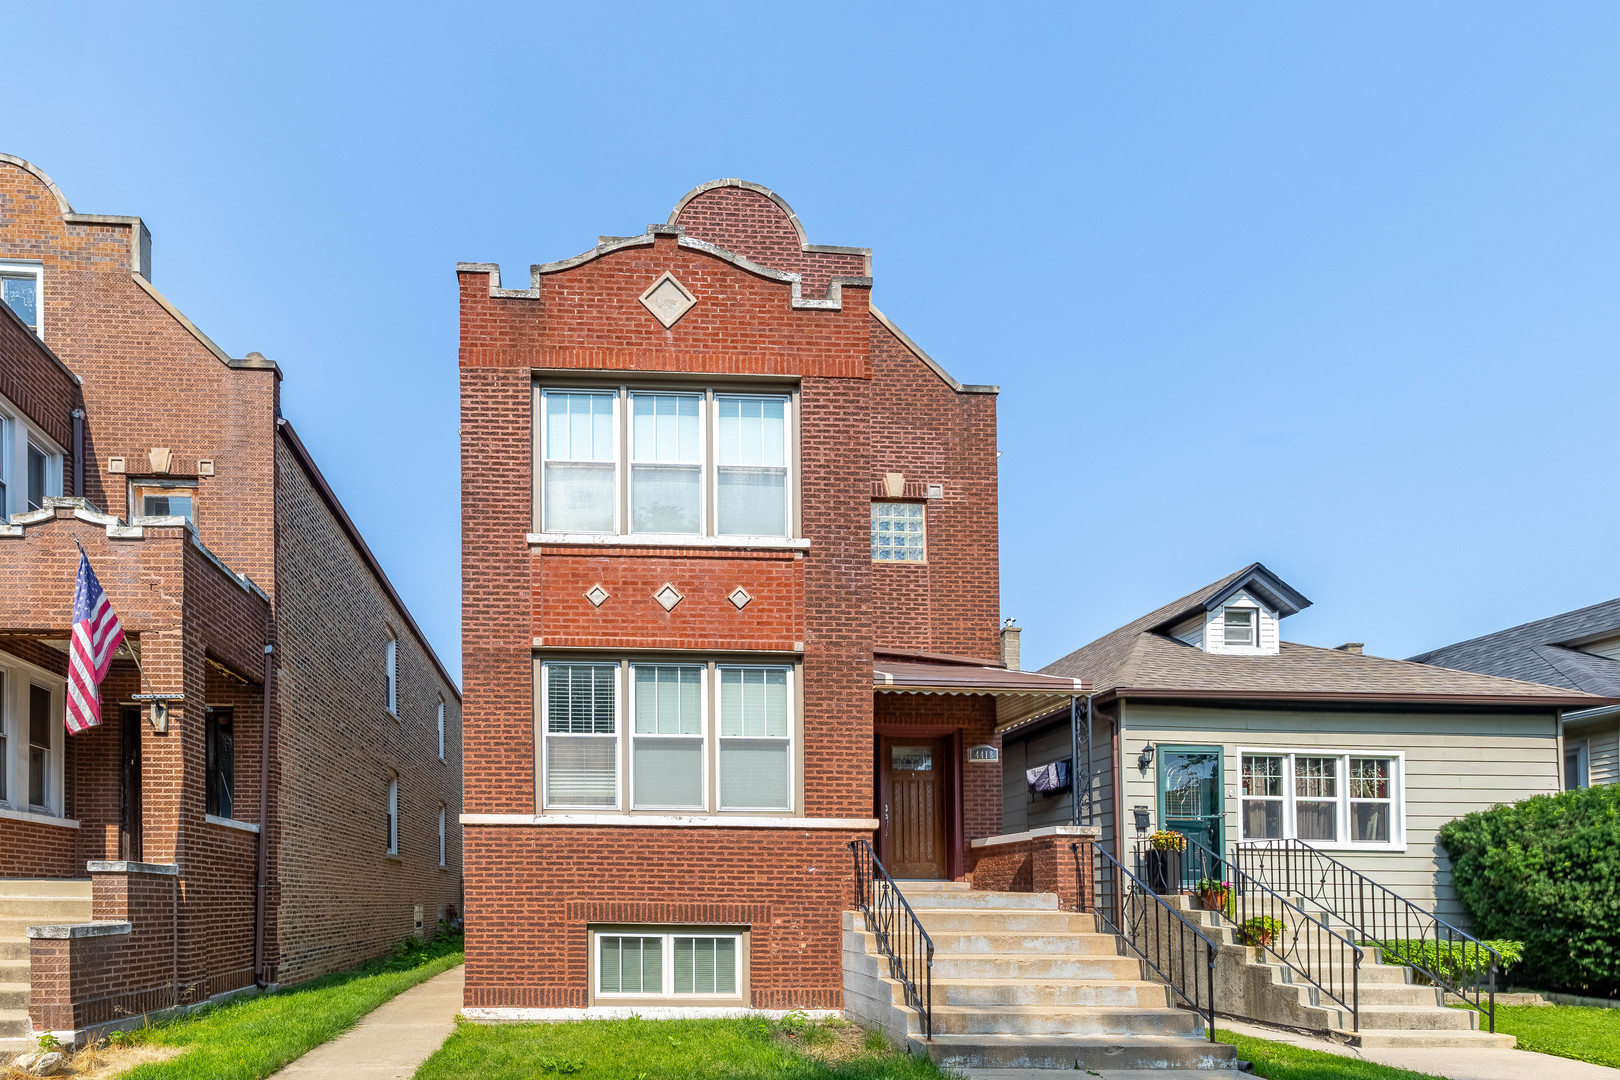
(668,597)
(739,597)
(596,595)
(668,300)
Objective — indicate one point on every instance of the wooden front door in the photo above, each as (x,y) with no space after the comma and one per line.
(129,783)
(914,775)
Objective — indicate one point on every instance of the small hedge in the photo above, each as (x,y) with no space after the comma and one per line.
(1546,872)
(1455,962)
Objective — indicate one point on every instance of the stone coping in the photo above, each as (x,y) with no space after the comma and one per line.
(1090,832)
(99,928)
(38,819)
(122,867)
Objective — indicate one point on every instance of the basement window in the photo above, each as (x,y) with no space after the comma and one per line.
(689,964)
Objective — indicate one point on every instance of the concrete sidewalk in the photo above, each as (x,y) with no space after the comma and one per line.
(1453,1063)
(390,1042)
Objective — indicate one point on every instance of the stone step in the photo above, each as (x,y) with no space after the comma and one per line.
(1407,1018)
(956,943)
(1092,993)
(1410,995)
(45,909)
(78,888)
(971,898)
(1059,1020)
(938,920)
(911,885)
(1375,1038)
(988,966)
(14,1024)
(13,995)
(13,951)
(1157,1052)
(14,971)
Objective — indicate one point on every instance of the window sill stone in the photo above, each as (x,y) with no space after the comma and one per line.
(231,823)
(37,818)
(661,540)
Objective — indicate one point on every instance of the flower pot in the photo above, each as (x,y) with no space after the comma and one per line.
(1162,871)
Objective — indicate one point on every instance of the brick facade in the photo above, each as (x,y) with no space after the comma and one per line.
(271,560)
(775,313)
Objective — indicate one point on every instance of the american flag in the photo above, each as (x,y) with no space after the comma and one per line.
(97,634)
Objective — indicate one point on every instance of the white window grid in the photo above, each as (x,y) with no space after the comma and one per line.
(667,945)
(701,737)
(547,735)
(1343,795)
(709,471)
(28,270)
(786,740)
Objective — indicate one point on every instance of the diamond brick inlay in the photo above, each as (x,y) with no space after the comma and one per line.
(668,597)
(596,595)
(668,300)
(739,597)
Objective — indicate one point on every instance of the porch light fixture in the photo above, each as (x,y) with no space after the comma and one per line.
(1145,758)
(160,709)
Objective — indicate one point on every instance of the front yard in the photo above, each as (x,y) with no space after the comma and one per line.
(741,1049)
(1572,1031)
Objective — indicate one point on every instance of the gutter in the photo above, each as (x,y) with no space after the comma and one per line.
(1548,701)
(261,882)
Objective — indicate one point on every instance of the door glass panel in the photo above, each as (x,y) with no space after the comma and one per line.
(1192,795)
(914,758)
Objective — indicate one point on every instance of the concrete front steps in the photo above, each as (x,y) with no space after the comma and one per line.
(1020,984)
(26,902)
(1396,1010)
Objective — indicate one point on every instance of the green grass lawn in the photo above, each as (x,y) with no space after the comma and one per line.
(741,1049)
(1572,1031)
(1279,1061)
(252,1037)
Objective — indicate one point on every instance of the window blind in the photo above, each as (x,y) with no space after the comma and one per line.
(751,470)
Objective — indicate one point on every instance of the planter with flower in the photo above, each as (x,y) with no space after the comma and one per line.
(1162,862)
(1261,930)
(1215,896)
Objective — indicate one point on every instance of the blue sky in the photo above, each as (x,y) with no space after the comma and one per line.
(1330,287)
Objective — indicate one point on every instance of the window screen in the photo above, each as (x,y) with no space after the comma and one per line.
(579,461)
(751,470)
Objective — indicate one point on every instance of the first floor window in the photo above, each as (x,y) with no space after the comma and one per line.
(393,814)
(221,755)
(689,964)
(667,753)
(39,746)
(1328,799)
(755,739)
(899,532)
(582,735)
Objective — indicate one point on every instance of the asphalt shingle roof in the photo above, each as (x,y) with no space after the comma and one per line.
(1537,651)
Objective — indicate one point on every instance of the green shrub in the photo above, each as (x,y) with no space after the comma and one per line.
(1260,930)
(1546,872)
(1455,962)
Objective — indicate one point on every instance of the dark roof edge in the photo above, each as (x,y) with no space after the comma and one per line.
(1421,658)
(1259,578)
(943,658)
(1531,701)
(328,496)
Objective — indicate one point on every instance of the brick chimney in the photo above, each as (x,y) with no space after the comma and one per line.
(1009,645)
(1350,646)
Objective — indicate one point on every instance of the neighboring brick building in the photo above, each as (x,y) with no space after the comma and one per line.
(730,601)
(147,843)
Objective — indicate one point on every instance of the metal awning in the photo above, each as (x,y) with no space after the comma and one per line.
(1019,694)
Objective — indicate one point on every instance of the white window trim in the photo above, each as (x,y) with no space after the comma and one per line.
(16,433)
(704,462)
(792,754)
(1581,748)
(393,814)
(1254,626)
(1397,811)
(708,534)
(391,672)
(444,833)
(19,676)
(701,738)
(441,728)
(19,268)
(667,936)
(543,721)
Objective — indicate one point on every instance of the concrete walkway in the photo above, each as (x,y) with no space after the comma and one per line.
(1453,1063)
(391,1041)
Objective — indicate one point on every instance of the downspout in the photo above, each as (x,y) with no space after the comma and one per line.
(1119,784)
(262,877)
(78,453)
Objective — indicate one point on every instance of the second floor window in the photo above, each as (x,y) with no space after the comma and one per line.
(899,532)
(665,463)
(441,729)
(30,464)
(19,290)
(391,675)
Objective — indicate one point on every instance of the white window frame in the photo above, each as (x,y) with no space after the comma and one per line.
(17,433)
(619,440)
(789,739)
(19,676)
(441,728)
(1254,627)
(393,813)
(705,465)
(391,673)
(1581,750)
(701,738)
(444,832)
(667,936)
(709,474)
(1397,800)
(543,721)
(36,270)
(923,516)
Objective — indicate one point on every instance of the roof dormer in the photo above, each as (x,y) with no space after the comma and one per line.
(1242,618)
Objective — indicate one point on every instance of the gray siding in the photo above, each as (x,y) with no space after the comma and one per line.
(1455,763)
(1023,810)
(1602,738)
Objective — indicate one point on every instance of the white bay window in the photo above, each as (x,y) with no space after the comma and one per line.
(665,463)
(1327,799)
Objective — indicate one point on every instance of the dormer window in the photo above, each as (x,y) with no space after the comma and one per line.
(1240,627)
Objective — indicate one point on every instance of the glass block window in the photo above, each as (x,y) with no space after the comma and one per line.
(899,532)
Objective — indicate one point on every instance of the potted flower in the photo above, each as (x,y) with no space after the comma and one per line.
(1260,930)
(1163,862)
(1215,895)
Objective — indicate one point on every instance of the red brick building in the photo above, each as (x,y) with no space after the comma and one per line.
(275,787)
(730,603)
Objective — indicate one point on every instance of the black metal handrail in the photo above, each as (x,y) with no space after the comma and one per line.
(899,933)
(1453,960)
(1264,917)
(1162,936)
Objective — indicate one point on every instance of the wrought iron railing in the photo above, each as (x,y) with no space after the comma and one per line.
(1458,963)
(899,933)
(1180,954)
(1262,917)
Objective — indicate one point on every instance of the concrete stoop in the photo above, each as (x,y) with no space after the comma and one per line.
(1020,984)
(26,902)
(1396,1011)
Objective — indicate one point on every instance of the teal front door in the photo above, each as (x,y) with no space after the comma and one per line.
(1190,798)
